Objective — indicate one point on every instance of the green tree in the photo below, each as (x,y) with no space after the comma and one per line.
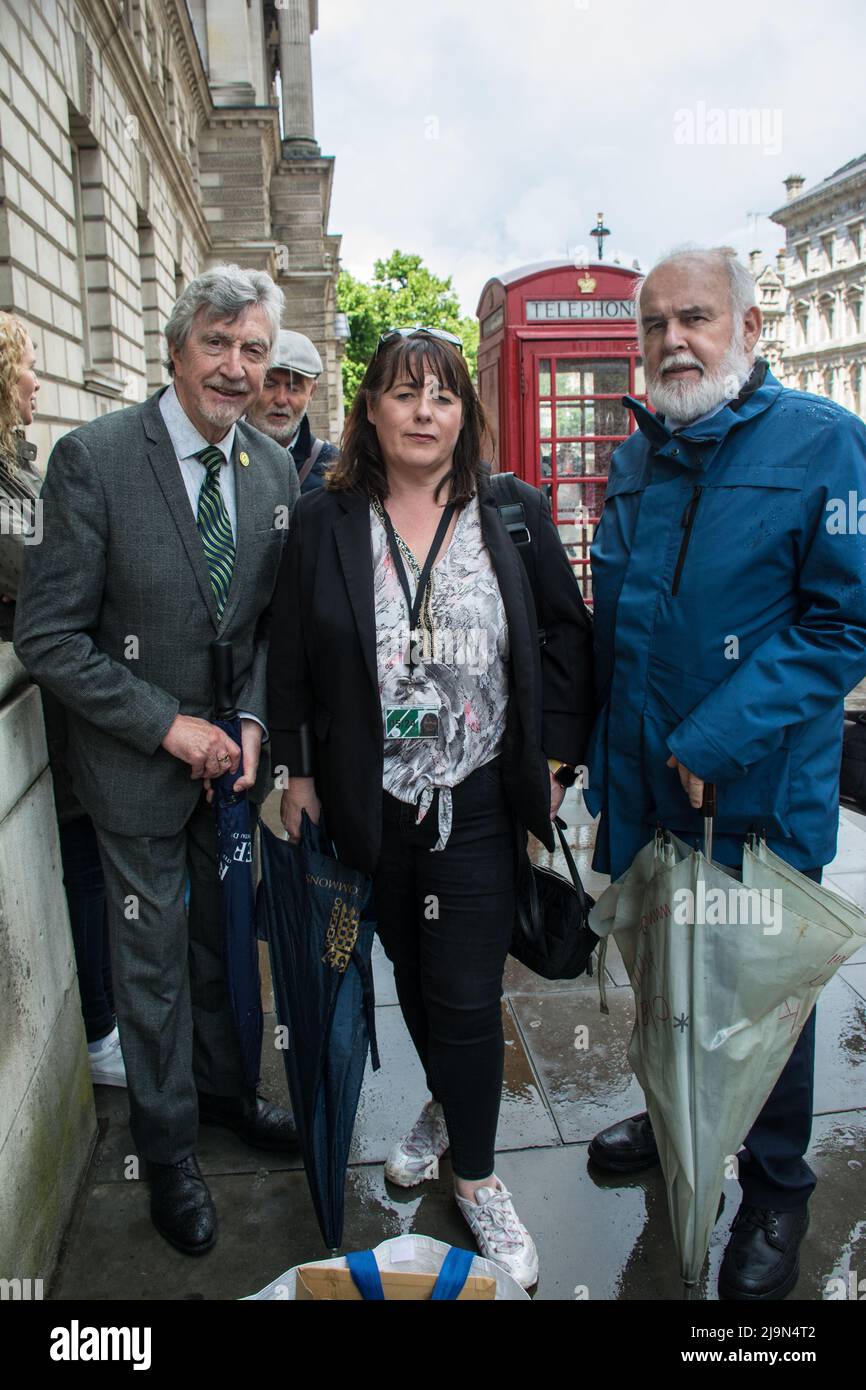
(402,293)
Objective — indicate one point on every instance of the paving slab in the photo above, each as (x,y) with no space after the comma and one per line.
(587,1087)
(218,1150)
(856,976)
(383,975)
(597,1239)
(392,1097)
(850,856)
(840,1048)
(519,979)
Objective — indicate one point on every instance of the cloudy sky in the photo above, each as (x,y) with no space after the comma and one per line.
(485,134)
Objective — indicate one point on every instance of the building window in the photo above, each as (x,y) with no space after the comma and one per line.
(826,310)
(149,272)
(801,314)
(99,340)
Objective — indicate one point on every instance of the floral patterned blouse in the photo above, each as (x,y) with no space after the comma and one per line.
(460,663)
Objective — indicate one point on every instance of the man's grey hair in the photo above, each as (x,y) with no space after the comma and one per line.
(223,292)
(740,278)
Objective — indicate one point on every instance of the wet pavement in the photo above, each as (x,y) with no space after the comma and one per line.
(598,1238)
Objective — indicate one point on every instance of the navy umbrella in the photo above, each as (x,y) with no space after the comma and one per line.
(237,893)
(312,911)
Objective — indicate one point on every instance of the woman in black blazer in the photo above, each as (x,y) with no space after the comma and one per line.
(416,696)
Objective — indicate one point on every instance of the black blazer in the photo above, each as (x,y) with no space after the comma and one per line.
(324,712)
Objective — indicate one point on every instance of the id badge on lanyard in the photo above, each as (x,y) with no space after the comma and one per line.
(410,720)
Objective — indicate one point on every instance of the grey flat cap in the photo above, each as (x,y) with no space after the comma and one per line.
(295,353)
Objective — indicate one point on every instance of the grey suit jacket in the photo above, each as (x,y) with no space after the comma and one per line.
(116,613)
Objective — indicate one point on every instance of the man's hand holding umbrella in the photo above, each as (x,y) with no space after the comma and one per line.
(207,749)
(210,751)
(693,785)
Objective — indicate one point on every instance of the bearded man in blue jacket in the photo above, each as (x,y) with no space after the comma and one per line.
(730,623)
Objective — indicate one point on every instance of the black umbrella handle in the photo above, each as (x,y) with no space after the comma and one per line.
(222,654)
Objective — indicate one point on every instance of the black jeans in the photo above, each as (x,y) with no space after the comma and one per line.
(445,922)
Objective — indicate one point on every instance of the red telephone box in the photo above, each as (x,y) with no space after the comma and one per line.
(557,353)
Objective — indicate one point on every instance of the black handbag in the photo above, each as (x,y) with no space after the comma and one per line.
(552,935)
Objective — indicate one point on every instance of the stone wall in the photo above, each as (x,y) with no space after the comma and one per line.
(100,217)
(47,1120)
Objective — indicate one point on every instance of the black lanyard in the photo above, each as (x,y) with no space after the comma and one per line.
(423,580)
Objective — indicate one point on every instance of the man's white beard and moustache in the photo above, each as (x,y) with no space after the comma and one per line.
(282,425)
(682,401)
(225,413)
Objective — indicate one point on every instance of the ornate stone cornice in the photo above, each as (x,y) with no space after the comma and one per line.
(117,48)
(806,205)
(186,43)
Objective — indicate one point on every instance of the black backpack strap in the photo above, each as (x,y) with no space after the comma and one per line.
(513,514)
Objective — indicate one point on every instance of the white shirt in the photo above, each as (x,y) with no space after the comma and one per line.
(187,442)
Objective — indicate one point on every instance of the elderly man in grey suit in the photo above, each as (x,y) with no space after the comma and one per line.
(163,530)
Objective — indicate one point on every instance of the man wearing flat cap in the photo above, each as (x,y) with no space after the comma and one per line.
(281,410)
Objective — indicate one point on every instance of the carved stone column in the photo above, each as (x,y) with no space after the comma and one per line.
(296,77)
(230,70)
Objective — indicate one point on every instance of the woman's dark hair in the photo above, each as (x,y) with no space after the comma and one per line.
(361,466)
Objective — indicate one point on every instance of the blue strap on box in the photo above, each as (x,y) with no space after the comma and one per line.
(452,1276)
(365,1273)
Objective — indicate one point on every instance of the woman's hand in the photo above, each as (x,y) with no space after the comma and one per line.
(557,793)
(300,795)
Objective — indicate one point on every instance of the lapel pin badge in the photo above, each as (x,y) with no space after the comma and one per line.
(244,459)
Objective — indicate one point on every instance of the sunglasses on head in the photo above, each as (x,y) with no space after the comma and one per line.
(393,334)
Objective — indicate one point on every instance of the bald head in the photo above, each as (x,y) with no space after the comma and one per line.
(698,325)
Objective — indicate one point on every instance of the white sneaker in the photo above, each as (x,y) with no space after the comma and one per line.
(416,1157)
(106,1061)
(499,1234)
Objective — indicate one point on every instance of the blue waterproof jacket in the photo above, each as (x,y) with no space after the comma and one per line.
(729,577)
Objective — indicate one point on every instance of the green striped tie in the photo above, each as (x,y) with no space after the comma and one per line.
(214,527)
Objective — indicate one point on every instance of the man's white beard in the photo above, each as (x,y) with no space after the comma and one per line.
(684,401)
(283,433)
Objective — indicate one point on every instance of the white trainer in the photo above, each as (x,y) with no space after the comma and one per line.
(500,1234)
(106,1061)
(416,1157)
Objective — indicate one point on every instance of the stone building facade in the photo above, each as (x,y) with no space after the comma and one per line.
(813,299)
(142,142)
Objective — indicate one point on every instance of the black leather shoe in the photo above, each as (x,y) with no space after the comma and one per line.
(763,1255)
(627,1147)
(181,1207)
(254,1119)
